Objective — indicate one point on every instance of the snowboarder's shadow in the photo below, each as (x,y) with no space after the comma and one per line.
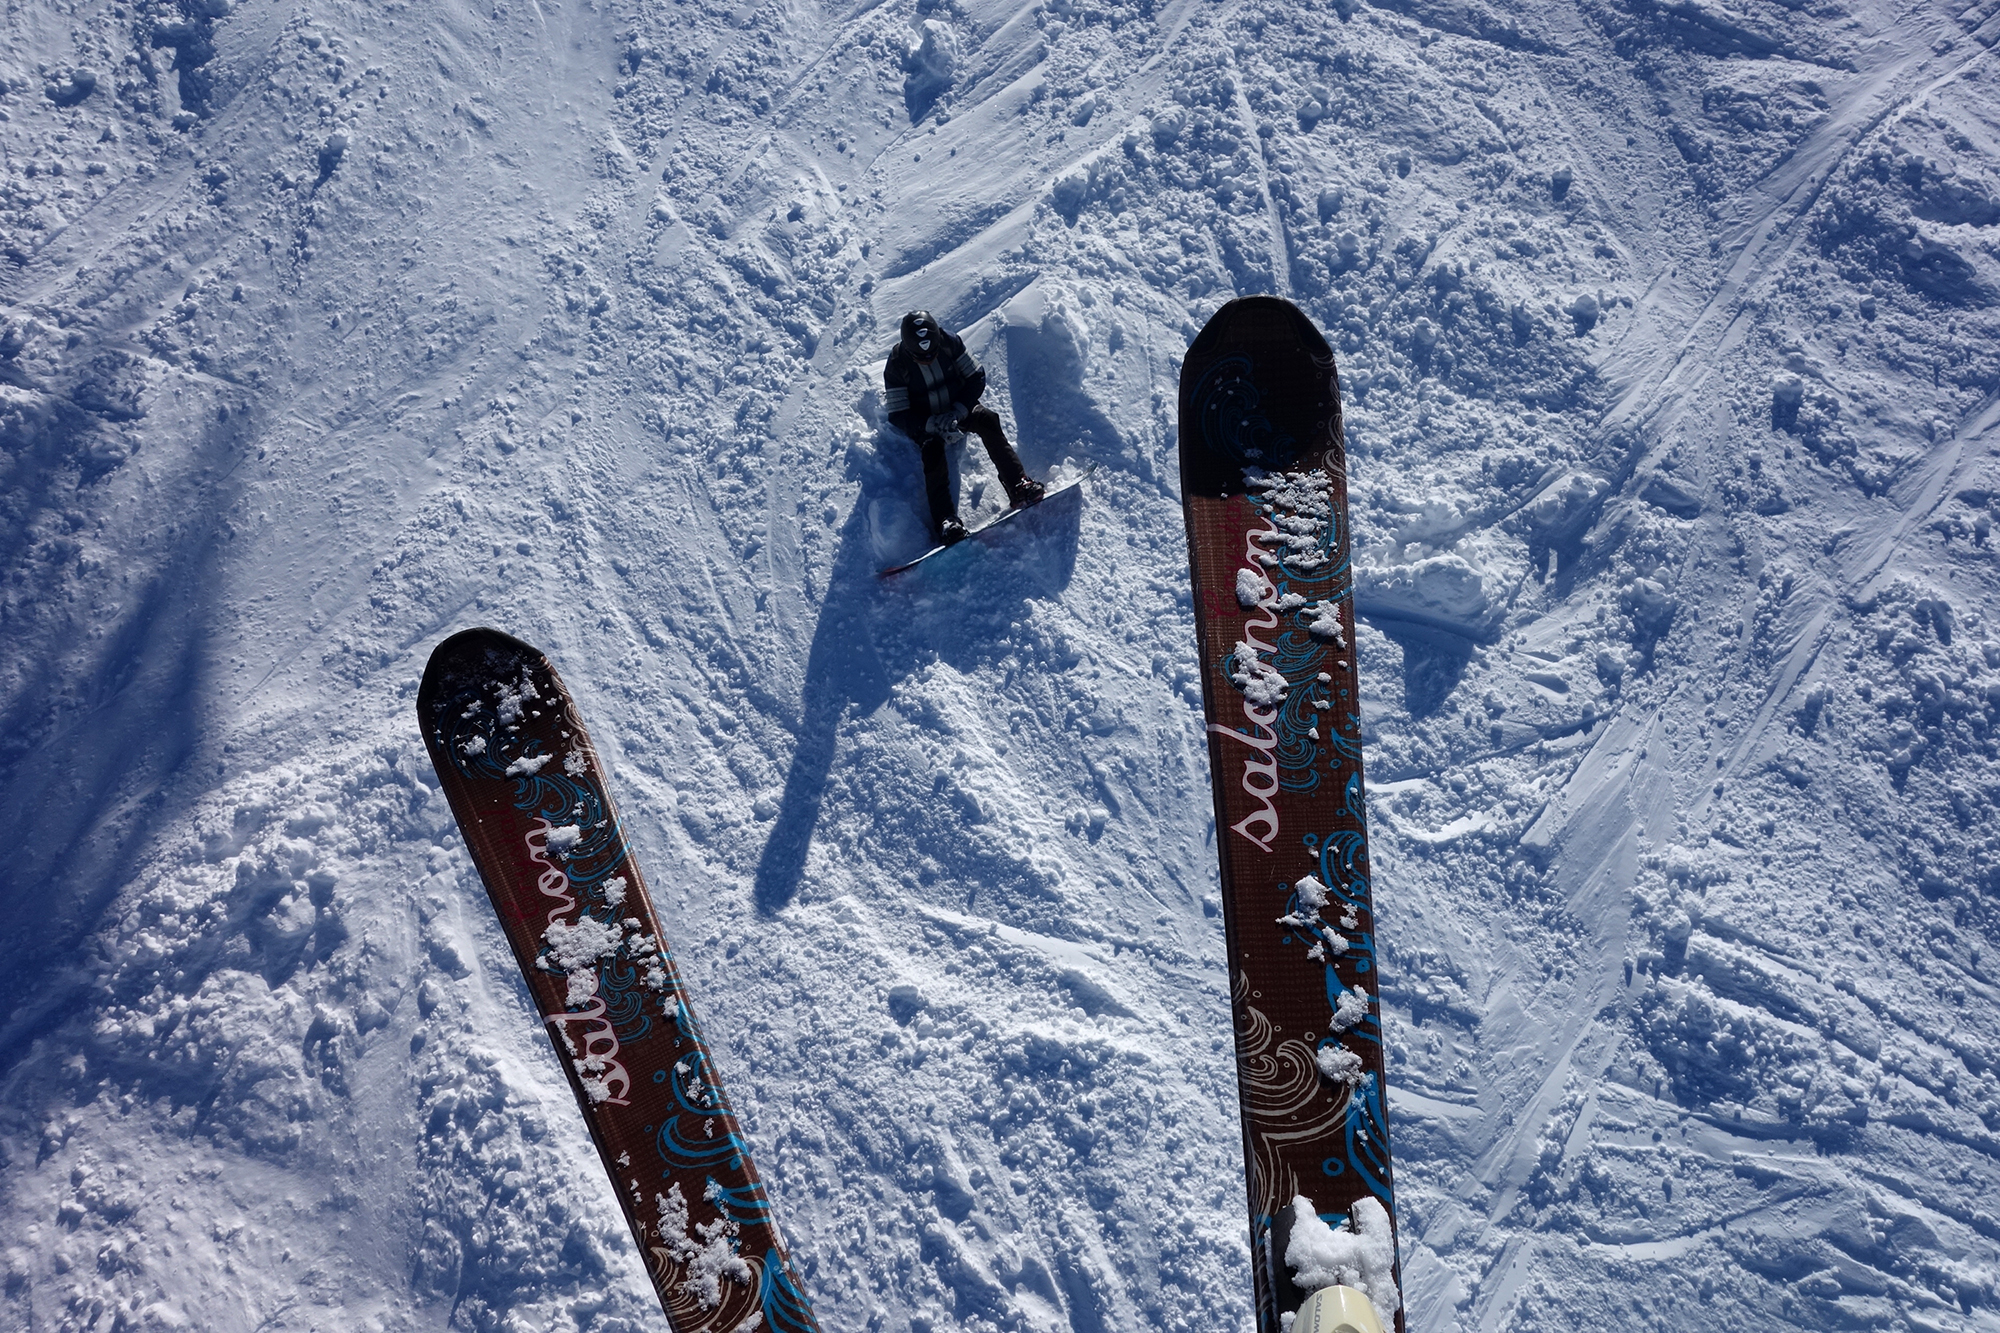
(1434,661)
(874,632)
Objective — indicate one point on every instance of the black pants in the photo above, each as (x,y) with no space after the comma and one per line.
(985,423)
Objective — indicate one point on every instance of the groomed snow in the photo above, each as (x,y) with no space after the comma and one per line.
(1668,338)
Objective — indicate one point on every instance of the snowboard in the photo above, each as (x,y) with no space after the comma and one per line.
(529,793)
(1055,489)
(1264,491)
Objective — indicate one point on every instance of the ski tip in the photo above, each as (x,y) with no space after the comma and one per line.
(483,650)
(481,639)
(1261,312)
(1259,390)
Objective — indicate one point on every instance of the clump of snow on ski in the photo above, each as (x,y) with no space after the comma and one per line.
(1262,684)
(1360,1254)
(1300,514)
(708,1255)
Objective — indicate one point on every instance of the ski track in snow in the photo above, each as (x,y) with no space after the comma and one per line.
(1669,341)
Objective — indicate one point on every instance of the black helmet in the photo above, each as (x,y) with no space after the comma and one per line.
(921,335)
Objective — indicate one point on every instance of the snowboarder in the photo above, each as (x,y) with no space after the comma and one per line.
(932,385)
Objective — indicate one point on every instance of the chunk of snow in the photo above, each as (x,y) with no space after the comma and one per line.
(1441,591)
(1364,1258)
(514,698)
(1299,507)
(1259,680)
(1340,1065)
(575,949)
(708,1256)
(1323,622)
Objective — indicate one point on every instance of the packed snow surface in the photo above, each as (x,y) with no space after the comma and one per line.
(1669,345)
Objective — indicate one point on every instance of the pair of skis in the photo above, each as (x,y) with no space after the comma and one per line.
(1264,488)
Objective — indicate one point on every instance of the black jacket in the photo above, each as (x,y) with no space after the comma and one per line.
(914,391)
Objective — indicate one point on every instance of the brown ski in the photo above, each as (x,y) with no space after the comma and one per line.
(531,801)
(1264,486)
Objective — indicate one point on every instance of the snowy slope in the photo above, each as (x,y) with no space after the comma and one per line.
(1669,338)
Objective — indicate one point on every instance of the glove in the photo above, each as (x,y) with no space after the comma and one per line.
(946,421)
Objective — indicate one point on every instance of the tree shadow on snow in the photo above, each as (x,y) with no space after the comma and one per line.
(94,753)
(873,632)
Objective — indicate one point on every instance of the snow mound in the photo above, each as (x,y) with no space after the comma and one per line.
(1443,592)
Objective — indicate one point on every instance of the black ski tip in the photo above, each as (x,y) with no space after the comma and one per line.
(1260,311)
(1259,390)
(481,639)
(470,656)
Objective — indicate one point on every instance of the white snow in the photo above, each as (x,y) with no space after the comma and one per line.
(514,697)
(1442,592)
(1251,588)
(1353,1007)
(575,949)
(1300,514)
(1323,622)
(1362,1256)
(1340,1066)
(1263,685)
(1668,347)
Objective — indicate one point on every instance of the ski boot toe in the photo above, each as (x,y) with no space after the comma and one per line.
(951,532)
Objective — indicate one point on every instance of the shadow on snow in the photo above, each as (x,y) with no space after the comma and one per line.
(873,632)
